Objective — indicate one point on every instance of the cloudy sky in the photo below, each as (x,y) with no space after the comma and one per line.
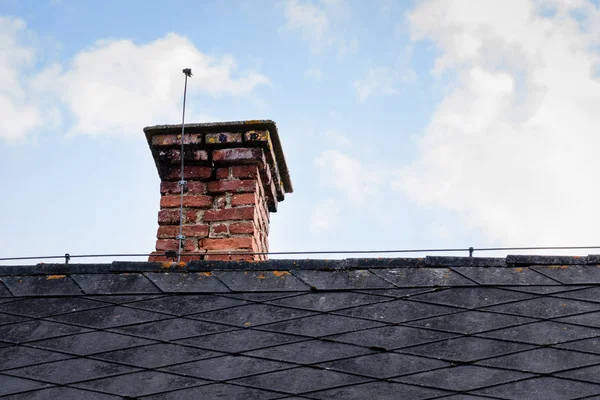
(415,124)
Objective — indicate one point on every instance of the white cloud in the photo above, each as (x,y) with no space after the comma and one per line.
(382,81)
(512,146)
(338,138)
(112,88)
(314,73)
(324,216)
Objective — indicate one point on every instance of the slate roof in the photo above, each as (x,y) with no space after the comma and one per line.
(432,328)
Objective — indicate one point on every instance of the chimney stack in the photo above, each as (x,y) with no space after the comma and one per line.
(236,175)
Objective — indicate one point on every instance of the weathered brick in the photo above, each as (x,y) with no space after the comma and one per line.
(173,156)
(198,231)
(223,138)
(241,228)
(167,244)
(236,186)
(171,216)
(243,199)
(198,201)
(239,155)
(232,257)
(219,229)
(175,139)
(189,172)
(244,171)
(228,214)
(167,231)
(256,136)
(226,244)
(220,201)
(222,173)
(195,187)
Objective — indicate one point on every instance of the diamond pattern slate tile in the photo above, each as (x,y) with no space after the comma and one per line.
(69,371)
(321,325)
(328,301)
(572,274)
(473,297)
(252,281)
(470,322)
(41,285)
(385,365)
(505,276)
(336,280)
(587,345)
(141,383)
(391,337)
(589,319)
(172,329)
(21,356)
(90,343)
(300,380)
(463,378)
(11,385)
(259,297)
(379,391)
(396,311)
(398,293)
(187,304)
(109,317)
(408,277)
(3,290)
(123,299)
(11,319)
(309,352)
(193,282)
(546,307)
(543,361)
(589,374)
(63,393)
(114,283)
(23,332)
(156,355)
(542,289)
(589,294)
(543,333)
(467,349)
(47,306)
(252,314)
(216,391)
(226,368)
(542,389)
(240,340)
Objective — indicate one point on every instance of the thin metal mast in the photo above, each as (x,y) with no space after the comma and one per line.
(182,183)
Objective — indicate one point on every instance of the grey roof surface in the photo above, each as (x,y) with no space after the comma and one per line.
(434,328)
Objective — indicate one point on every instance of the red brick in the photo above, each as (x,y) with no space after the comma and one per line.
(226,244)
(197,231)
(243,199)
(244,171)
(195,187)
(220,201)
(189,172)
(223,138)
(232,257)
(222,173)
(241,228)
(256,136)
(175,139)
(167,231)
(156,256)
(219,229)
(167,244)
(198,201)
(229,214)
(173,156)
(171,217)
(239,155)
(237,186)
(169,188)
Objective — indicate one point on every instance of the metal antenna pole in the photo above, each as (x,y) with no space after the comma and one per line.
(182,183)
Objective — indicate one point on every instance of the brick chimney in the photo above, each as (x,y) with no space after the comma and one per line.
(236,175)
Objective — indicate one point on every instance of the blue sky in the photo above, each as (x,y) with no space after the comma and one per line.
(415,124)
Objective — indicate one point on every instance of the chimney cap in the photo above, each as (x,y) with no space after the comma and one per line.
(231,126)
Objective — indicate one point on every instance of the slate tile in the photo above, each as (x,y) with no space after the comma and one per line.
(589,319)
(542,289)
(240,340)
(260,297)
(505,276)
(542,388)
(227,367)
(328,301)
(321,325)
(109,317)
(157,355)
(379,391)
(428,277)
(21,356)
(63,393)
(589,294)
(309,352)
(345,279)
(466,349)
(89,343)
(402,293)
(385,365)
(543,361)
(48,306)
(251,315)
(463,397)
(115,284)
(11,319)
(546,307)
(463,378)
(473,297)
(193,282)
(187,304)
(216,391)
(41,285)
(543,333)
(470,322)
(391,337)
(11,385)
(572,274)
(253,281)
(124,299)
(172,329)
(587,345)
(589,374)
(396,311)
(71,370)
(141,383)
(28,331)
(4,292)
(300,380)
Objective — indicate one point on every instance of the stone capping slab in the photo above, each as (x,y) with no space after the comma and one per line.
(232,126)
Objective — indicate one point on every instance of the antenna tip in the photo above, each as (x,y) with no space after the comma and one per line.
(187,72)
